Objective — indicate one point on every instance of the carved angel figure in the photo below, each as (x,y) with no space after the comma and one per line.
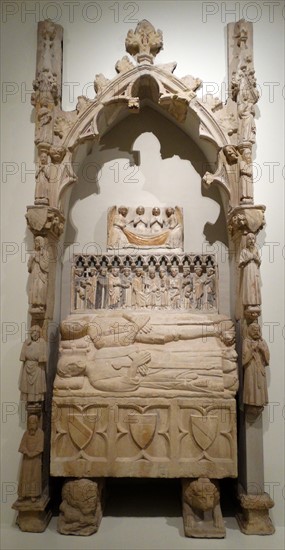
(31,446)
(255,357)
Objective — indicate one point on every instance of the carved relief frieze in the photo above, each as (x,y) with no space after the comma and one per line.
(153,282)
(126,434)
(145,228)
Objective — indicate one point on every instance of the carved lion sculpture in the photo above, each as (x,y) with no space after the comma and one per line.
(80,510)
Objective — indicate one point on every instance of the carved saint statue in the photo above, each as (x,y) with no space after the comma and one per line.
(44,127)
(246,184)
(38,267)
(31,446)
(255,357)
(33,378)
(249,263)
(42,180)
(246,113)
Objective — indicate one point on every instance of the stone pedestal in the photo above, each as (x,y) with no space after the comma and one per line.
(254,518)
(33,517)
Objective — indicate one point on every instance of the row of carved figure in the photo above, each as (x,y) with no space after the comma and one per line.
(145,227)
(146,288)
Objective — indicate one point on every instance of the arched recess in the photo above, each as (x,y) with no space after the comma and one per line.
(129,95)
(172,176)
(131,92)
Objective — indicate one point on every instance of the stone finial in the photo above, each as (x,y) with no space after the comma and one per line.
(144,43)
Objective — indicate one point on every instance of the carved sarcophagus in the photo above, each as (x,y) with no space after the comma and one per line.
(144,395)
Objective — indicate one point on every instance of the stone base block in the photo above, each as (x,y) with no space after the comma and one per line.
(33,517)
(254,518)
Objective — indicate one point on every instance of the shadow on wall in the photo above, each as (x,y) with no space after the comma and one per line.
(144,153)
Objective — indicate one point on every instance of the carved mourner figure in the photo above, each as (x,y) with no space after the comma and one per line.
(163,288)
(198,286)
(33,378)
(187,288)
(114,288)
(138,295)
(210,288)
(102,289)
(151,288)
(90,291)
(255,357)
(38,267)
(126,283)
(31,446)
(174,290)
(249,263)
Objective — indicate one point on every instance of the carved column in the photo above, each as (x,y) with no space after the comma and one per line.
(46,222)
(245,220)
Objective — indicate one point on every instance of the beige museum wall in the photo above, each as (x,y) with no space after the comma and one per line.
(194,36)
